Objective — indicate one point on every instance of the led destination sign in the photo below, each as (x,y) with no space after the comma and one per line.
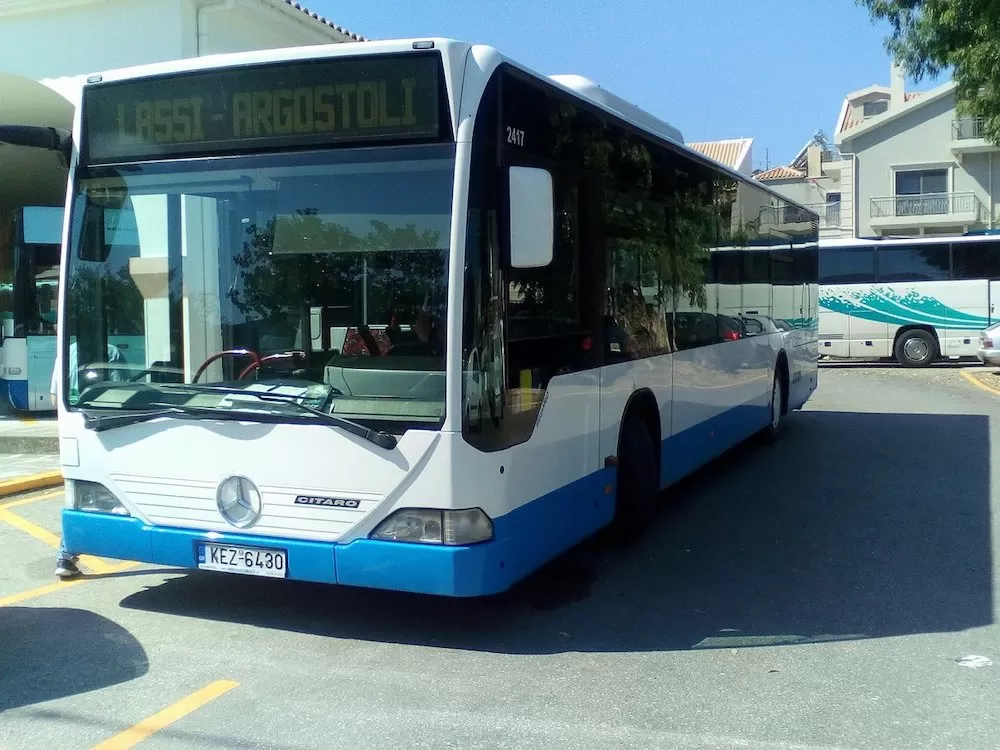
(378,98)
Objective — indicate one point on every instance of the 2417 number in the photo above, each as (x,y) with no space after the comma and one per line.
(515,136)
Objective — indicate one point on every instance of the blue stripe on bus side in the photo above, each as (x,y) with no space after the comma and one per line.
(694,447)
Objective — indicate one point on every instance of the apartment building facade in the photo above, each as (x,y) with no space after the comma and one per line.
(901,164)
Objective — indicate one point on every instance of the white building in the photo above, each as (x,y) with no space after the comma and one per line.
(903,164)
(47,46)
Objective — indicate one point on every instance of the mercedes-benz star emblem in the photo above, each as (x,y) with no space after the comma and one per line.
(239,502)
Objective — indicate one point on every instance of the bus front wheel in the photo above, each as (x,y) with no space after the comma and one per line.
(916,348)
(638,483)
(772,432)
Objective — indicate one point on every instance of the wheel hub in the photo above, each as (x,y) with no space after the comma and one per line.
(915,349)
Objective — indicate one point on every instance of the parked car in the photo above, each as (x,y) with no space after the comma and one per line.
(989,345)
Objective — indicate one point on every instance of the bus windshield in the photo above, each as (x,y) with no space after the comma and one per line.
(318,276)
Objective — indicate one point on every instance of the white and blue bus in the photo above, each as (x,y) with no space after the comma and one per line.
(917,299)
(29,279)
(414,317)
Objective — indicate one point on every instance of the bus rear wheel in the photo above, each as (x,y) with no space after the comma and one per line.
(638,483)
(915,348)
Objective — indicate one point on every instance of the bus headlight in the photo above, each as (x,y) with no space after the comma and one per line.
(448,527)
(95,498)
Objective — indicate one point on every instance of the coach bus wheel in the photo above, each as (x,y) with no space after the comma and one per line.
(638,484)
(916,348)
(773,430)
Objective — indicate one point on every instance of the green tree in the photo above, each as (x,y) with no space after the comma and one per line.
(930,36)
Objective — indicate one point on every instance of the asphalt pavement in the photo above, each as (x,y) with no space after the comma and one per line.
(831,591)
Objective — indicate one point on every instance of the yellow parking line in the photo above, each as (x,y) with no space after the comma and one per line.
(978,383)
(49,588)
(40,591)
(44,535)
(150,726)
(33,499)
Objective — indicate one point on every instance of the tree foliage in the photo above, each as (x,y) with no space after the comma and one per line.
(322,264)
(931,36)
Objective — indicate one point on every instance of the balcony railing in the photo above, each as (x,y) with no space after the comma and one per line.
(778,215)
(829,214)
(967,128)
(928,204)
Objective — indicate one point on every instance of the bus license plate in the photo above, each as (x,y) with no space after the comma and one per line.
(248,561)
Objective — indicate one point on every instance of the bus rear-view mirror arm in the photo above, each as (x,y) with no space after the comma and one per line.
(532,217)
(32,136)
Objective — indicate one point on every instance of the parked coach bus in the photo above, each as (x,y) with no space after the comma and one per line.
(917,299)
(29,279)
(414,317)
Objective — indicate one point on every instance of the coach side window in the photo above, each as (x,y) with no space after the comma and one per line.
(847,265)
(976,260)
(900,263)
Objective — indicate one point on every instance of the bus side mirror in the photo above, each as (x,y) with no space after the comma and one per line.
(531,217)
(31,136)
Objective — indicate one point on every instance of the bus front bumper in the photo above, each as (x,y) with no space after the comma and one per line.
(476,570)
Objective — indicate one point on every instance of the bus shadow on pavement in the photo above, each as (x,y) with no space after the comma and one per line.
(55,652)
(856,525)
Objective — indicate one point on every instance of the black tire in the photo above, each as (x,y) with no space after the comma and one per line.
(916,348)
(638,480)
(772,432)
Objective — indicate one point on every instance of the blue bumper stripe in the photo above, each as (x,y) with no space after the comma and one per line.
(127,538)
(524,539)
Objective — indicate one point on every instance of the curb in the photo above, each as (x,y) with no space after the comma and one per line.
(30,482)
(28,444)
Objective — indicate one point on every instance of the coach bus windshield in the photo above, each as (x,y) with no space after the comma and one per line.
(316,277)
(29,272)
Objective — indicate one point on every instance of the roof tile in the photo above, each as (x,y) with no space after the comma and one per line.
(324,21)
(780,173)
(727,152)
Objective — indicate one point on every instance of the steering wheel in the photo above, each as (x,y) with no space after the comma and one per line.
(257,363)
(230,353)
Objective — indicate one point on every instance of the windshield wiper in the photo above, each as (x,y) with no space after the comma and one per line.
(377,437)
(111,421)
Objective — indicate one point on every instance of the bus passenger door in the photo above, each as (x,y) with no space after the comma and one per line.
(551,413)
(994,302)
(966,306)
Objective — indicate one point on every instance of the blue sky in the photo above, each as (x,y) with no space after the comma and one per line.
(773,70)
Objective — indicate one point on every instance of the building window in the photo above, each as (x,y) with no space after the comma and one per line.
(922,182)
(870,109)
(832,213)
(921,192)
